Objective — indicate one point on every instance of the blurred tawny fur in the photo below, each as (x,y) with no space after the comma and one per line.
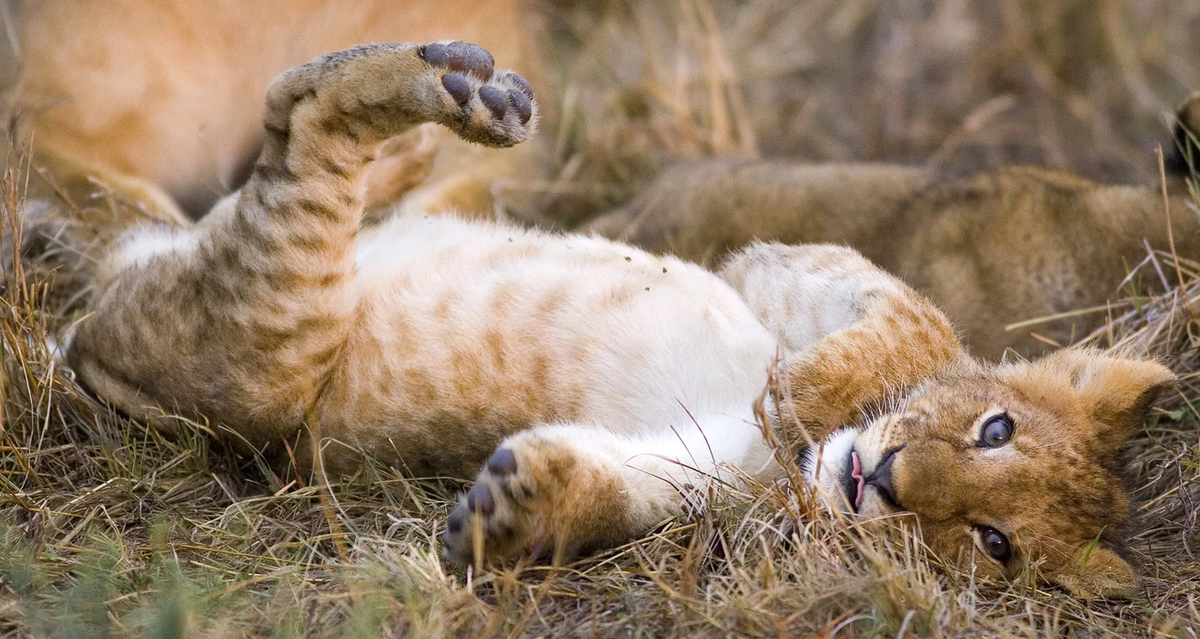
(161,101)
(991,249)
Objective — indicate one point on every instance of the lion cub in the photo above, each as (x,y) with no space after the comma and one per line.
(992,249)
(592,380)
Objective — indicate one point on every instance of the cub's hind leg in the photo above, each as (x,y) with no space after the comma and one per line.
(240,319)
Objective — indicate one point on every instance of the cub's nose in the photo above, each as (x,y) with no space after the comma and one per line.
(881,478)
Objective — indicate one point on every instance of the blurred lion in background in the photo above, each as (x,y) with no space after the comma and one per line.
(990,249)
(160,103)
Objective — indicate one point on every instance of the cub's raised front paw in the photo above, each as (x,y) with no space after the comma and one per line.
(495,107)
(538,496)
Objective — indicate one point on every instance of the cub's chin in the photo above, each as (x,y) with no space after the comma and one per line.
(846,479)
(838,473)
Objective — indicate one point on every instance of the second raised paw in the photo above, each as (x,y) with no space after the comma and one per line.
(497,106)
(373,92)
(543,494)
(494,518)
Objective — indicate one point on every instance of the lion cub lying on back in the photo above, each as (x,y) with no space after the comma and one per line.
(590,379)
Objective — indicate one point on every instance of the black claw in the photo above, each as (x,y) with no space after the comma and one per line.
(479,500)
(495,100)
(502,462)
(521,105)
(458,87)
(522,84)
(455,522)
(471,59)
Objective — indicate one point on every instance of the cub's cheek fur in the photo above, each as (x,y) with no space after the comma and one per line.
(1098,573)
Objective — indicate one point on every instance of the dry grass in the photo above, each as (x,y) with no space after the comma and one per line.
(111,529)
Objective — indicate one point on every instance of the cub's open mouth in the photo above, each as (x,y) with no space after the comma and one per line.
(853,482)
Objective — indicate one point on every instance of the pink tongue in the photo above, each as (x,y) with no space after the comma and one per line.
(856,474)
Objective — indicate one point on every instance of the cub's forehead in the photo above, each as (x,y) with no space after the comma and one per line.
(1047,435)
(972,396)
(964,389)
(960,401)
(1045,489)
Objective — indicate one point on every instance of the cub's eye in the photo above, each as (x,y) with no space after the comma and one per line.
(994,543)
(996,431)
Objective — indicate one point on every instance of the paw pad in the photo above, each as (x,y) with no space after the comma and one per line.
(493,107)
(523,85)
(491,506)
(495,101)
(462,57)
(520,103)
(456,521)
(479,500)
(502,462)
(458,88)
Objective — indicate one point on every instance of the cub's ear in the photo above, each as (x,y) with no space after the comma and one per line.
(1188,113)
(1185,157)
(1117,391)
(1096,572)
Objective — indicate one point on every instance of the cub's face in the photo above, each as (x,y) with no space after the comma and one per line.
(1007,465)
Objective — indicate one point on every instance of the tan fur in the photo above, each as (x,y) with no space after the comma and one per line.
(991,249)
(602,372)
(894,338)
(170,92)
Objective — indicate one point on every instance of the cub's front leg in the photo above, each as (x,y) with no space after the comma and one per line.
(562,491)
(552,492)
(851,334)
